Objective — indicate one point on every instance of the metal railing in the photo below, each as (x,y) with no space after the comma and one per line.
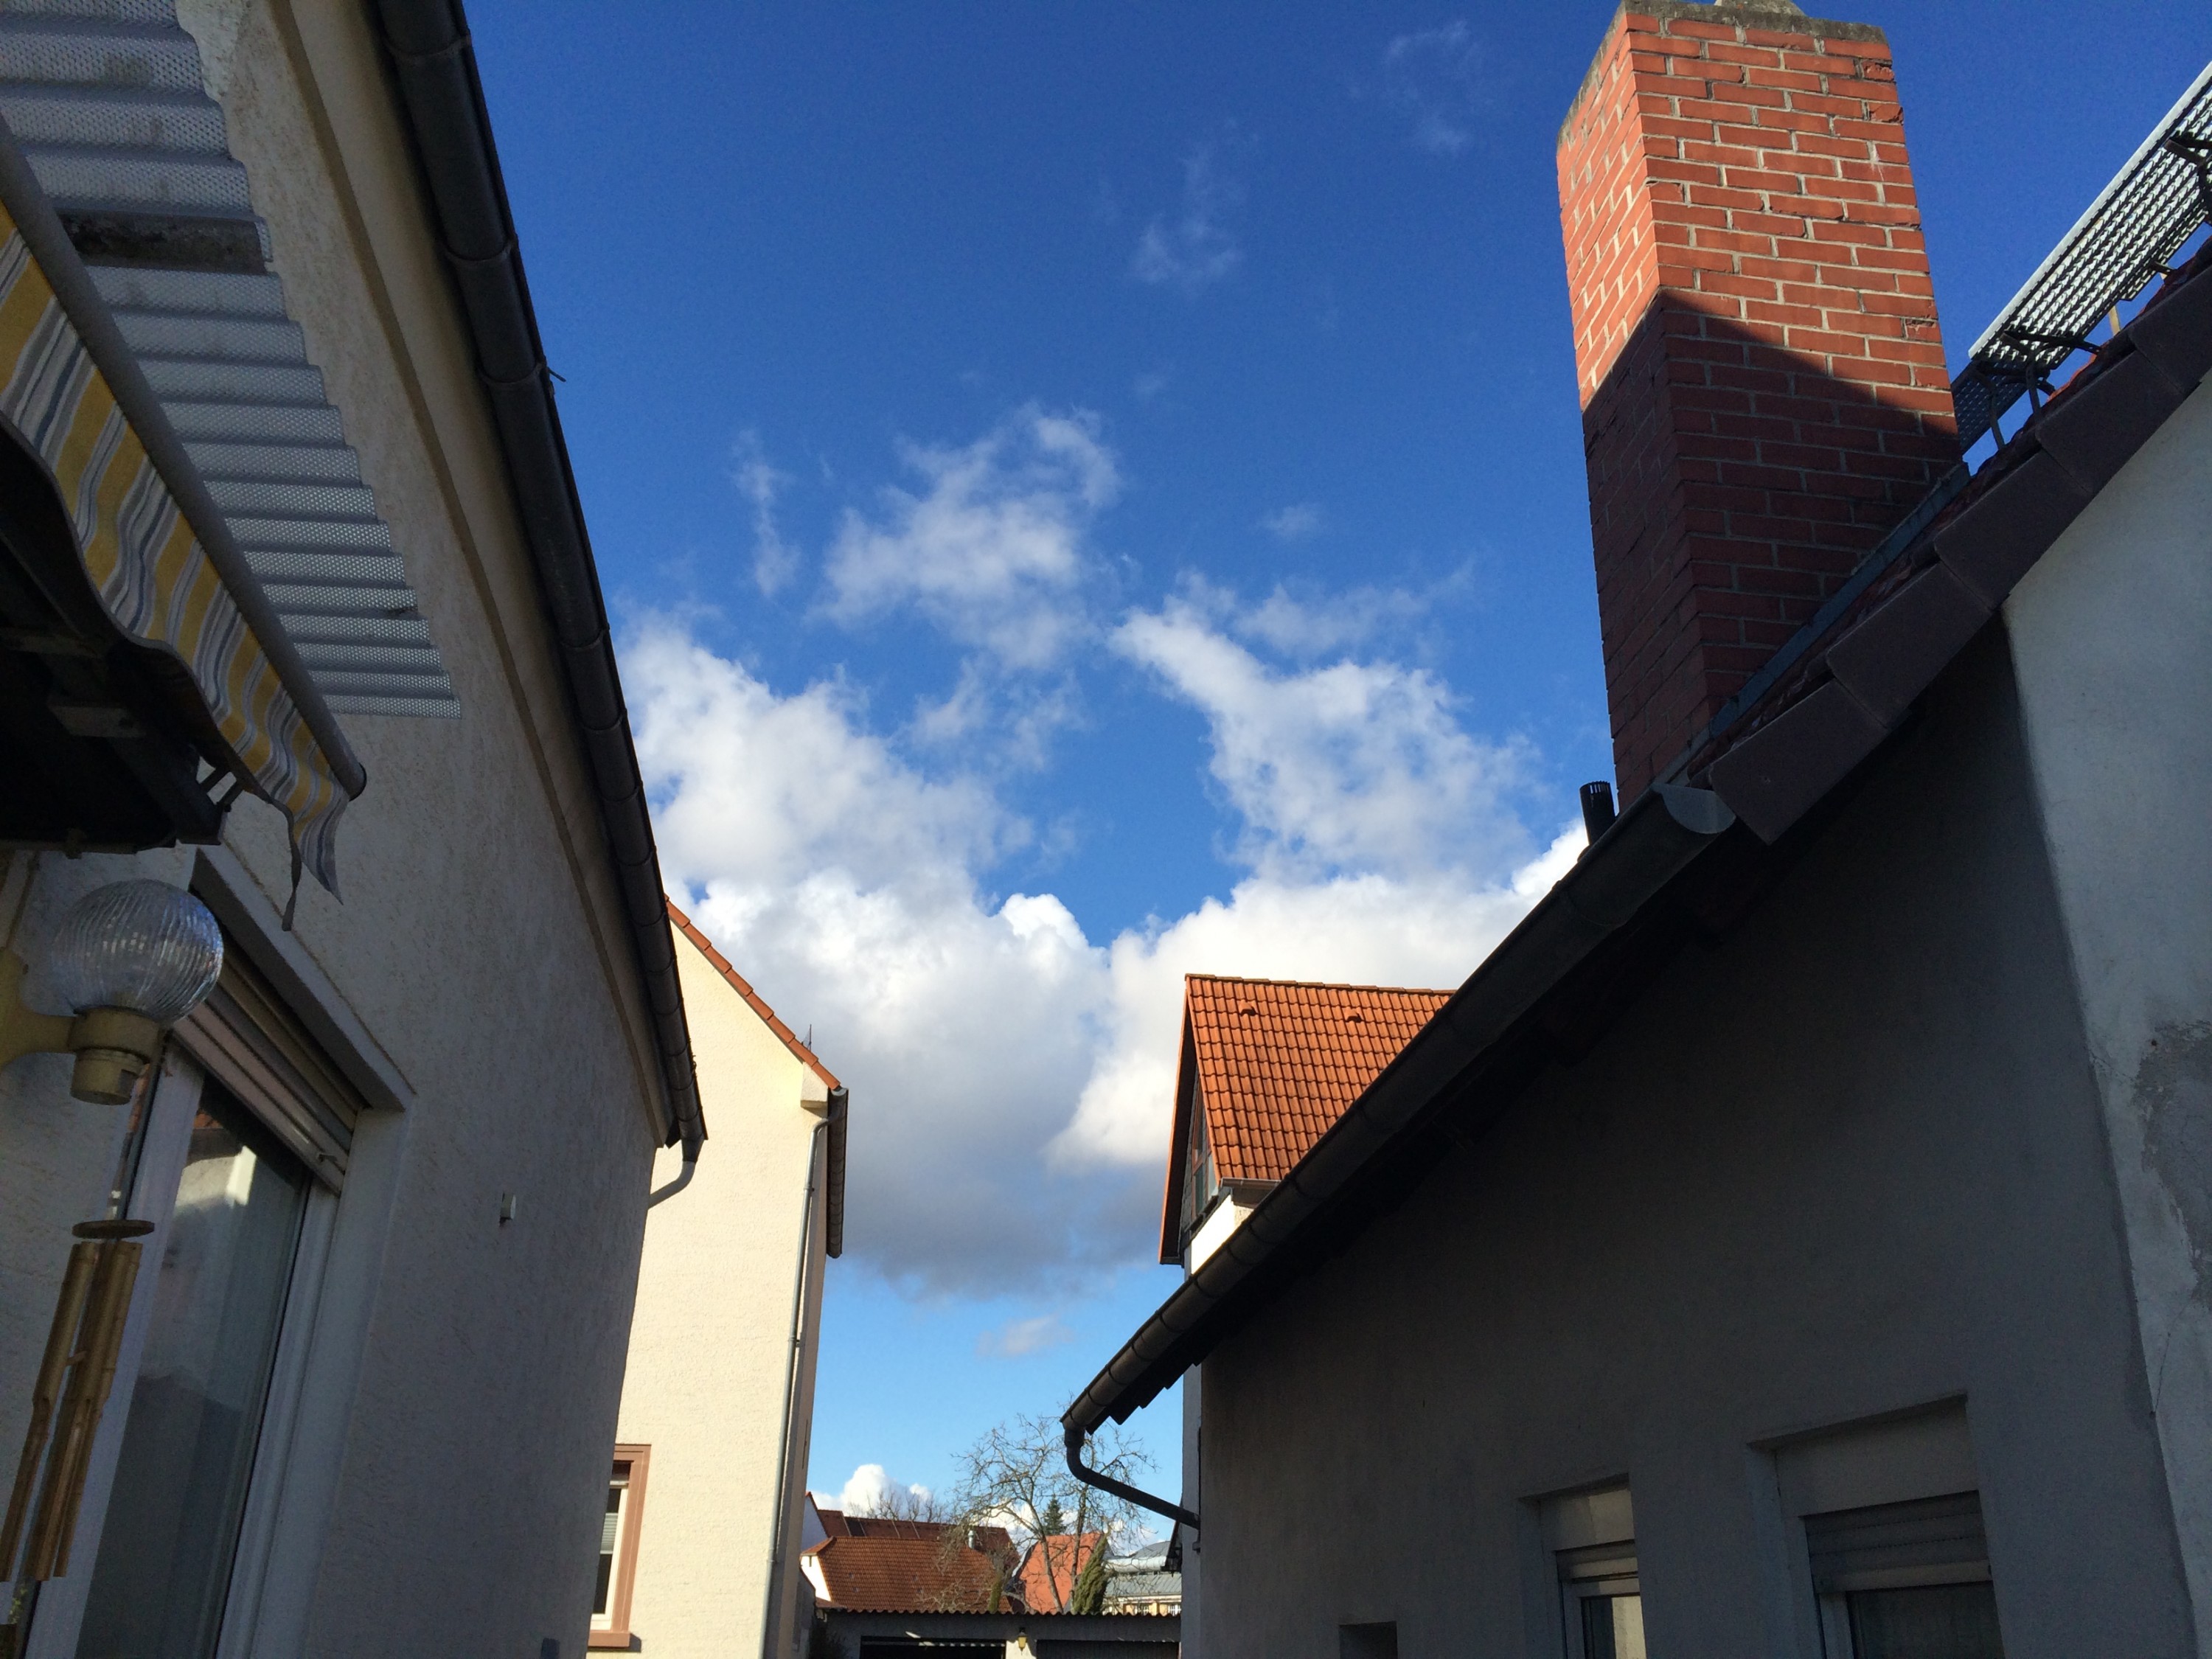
(2128,236)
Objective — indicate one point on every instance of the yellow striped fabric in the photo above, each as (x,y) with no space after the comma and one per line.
(147,565)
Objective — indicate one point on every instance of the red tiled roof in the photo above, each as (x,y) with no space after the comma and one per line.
(905,1566)
(1277,1062)
(721,964)
(1044,1591)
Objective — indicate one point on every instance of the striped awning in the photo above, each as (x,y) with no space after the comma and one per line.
(110,103)
(143,558)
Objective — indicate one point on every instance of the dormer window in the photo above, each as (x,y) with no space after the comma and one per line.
(1199,1182)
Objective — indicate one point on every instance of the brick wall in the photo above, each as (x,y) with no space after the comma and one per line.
(1761,372)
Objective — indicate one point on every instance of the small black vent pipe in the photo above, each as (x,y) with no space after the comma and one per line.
(1597,809)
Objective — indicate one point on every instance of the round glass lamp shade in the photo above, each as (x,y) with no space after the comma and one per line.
(143,945)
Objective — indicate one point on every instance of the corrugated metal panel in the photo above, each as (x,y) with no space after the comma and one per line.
(107,99)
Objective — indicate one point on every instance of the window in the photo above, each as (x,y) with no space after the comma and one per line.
(1905,1581)
(618,1533)
(1892,1541)
(1199,1185)
(1592,1537)
(163,1570)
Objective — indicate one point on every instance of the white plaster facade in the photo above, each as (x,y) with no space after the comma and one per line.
(2108,634)
(428,1474)
(1912,1156)
(724,1342)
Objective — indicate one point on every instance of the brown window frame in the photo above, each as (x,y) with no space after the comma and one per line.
(617,1632)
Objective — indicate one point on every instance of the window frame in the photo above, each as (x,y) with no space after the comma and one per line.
(175,1086)
(622,1583)
(1588,1543)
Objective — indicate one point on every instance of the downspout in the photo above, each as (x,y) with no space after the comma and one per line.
(1107,1483)
(771,1602)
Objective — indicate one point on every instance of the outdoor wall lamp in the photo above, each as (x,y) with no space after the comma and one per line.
(132,959)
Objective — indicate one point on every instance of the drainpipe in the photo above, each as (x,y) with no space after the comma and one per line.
(1106,1483)
(771,1602)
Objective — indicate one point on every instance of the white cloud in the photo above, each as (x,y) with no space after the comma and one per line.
(1350,767)
(1312,628)
(1294,523)
(1196,247)
(1011,1076)
(991,547)
(1362,930)
(1433,76)
(1018,1337)
(775,561)
(869,1491)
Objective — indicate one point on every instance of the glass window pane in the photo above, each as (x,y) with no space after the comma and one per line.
(1937,1621)
(173,1518)
(1612,1627)
(609,1545)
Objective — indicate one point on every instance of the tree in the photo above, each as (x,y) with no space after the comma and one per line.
(1016,1476)
(893,1502)
(1089,1593)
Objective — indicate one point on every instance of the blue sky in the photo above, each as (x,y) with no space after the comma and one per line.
(1092,492)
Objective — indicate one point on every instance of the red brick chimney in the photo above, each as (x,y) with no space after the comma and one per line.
(1762,378)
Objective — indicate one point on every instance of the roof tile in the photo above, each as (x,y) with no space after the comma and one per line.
(1279,1061)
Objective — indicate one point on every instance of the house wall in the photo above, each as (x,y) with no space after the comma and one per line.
(1846,1161)
(444,1491)
(2109,632)
(710,1345)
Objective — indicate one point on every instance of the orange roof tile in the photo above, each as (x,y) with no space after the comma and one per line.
(721,963)
(913,1570)
(1277,1062)
(1047,1590)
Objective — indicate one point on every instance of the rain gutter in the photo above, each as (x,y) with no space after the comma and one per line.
(441,102)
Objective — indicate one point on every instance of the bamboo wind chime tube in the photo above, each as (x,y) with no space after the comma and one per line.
(46,1393)
(100,1339)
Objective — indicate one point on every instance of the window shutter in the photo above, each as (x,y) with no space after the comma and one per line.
(249,1040)
(1932,1540)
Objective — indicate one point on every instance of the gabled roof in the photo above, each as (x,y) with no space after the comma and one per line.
(911,1566)
(807,1057)
(1050,1568)
(1683,860)
(1275,1063)
(834,1232)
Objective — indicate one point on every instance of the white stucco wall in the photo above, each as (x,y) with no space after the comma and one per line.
(466,1374)
(711,1343)
(2113,637)
(1843,1161)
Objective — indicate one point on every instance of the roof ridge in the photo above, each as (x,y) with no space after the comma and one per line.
(1321,985)
(753,999)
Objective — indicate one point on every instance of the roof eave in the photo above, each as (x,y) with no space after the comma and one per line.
(440,108)
(1654,843)
(1787,769)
